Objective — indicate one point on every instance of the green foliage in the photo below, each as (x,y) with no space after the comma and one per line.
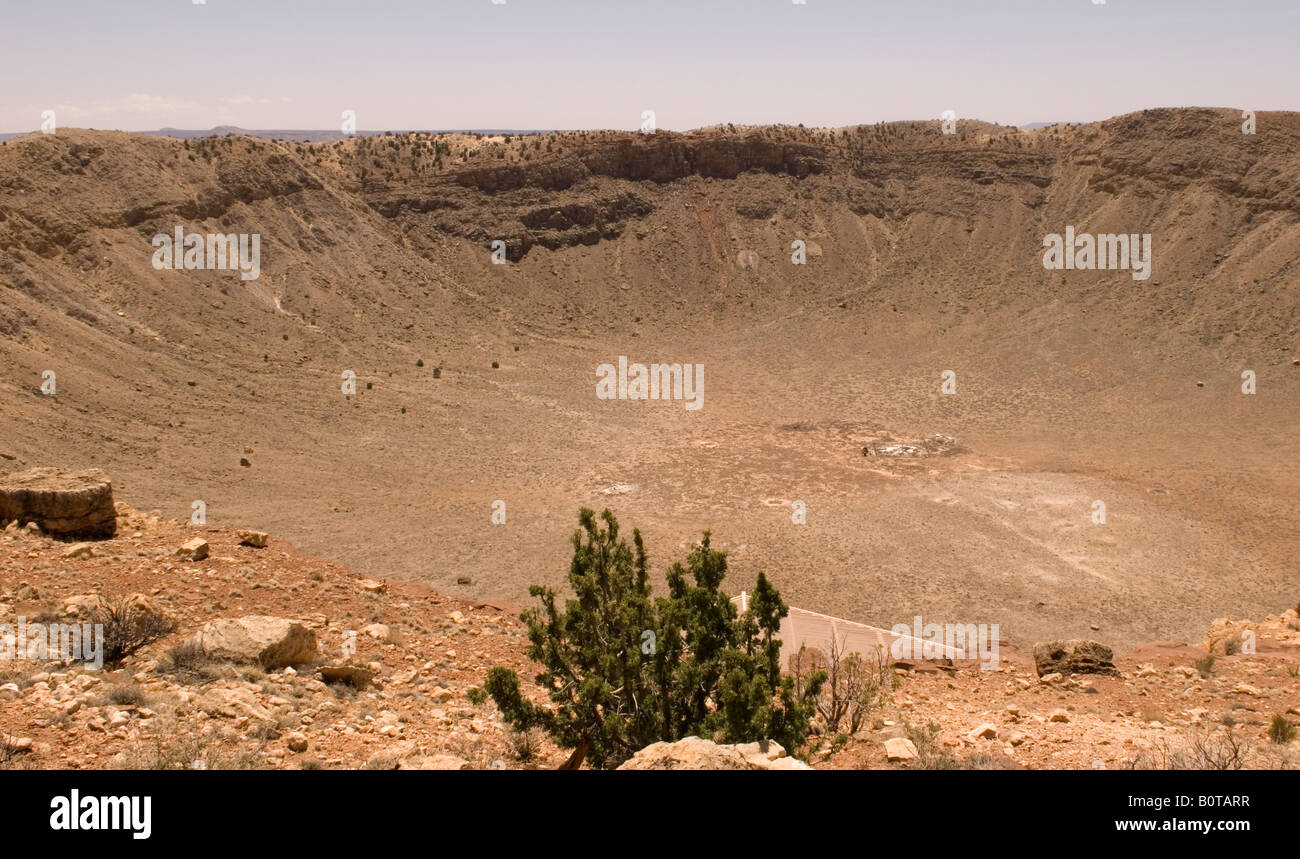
(1281,731)
(625,670)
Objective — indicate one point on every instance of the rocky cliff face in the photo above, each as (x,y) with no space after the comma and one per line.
(654,158)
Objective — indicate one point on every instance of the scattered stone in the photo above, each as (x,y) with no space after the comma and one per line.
(83,604)
(394,757)
(987,731)
(254,539)
(373,586)
(79,551)
(1058,715)
(60,502)
(193,550)
(20,745)
(900,749)
(355,676)
(383,632)
(296,742)
(233,703)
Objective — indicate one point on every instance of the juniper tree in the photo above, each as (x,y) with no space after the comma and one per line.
(591,652)
(624,671)
(755,700)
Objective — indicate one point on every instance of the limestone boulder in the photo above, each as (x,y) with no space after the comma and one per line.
(274,642)
(61,502)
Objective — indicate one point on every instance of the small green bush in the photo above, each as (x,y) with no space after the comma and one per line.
(1281,731)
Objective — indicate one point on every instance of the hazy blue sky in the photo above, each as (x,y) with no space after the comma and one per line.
(143,64)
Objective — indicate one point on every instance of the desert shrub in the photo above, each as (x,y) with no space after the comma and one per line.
(173,749)
(931,754)
(344,690)
(526,744)
(188,662)
(625,670)
(128,626)
(1223,750)
(855,683)
(476,695)
(126,695)
(252,672)
(1206,665)
(21,673)
(986,761)
(186,655)
(1281,731)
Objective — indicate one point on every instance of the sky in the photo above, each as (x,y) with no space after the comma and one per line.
(546,64)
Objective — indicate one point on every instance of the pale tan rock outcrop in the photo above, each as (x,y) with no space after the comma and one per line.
(694,753)
(900,749)
(274,642)
(62,502)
